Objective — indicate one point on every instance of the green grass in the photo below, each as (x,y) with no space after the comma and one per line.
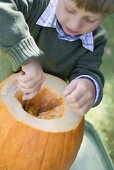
(102,116)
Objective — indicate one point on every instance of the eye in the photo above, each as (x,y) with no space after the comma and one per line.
(71,11)
(90,20)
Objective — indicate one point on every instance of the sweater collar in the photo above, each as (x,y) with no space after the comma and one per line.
(48,19)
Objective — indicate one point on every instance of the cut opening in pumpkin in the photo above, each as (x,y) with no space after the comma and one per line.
(46,104)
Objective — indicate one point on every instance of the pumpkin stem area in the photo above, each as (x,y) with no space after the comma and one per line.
(46,104)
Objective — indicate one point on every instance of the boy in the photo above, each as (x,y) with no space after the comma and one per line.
(60,37)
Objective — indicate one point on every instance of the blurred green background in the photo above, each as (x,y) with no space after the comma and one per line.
(102,116)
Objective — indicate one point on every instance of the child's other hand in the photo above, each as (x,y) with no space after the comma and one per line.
(30,79)
(80,95)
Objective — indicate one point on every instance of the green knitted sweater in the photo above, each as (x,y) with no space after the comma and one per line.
(21,39)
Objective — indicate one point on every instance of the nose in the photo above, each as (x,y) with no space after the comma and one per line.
(75,23)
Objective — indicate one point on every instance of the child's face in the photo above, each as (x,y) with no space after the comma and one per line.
(75,21)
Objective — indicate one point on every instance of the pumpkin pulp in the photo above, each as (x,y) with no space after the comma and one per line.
(46,104)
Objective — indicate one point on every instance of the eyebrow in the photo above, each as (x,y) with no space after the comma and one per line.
(69,6)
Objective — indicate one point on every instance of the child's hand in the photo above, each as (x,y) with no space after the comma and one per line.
(30,79)
(80,95)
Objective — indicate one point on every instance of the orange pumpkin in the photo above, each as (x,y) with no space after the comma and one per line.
(45,136)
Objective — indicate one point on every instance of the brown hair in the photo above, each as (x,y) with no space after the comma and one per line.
(105,7)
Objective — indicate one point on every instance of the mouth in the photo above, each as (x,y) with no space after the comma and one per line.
(70,31)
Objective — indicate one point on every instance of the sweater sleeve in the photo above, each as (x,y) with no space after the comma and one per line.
(89,64)
(15,39)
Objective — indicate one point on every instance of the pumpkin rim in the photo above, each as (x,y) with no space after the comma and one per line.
(70,120)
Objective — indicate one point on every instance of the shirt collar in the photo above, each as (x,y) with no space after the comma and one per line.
(48,19)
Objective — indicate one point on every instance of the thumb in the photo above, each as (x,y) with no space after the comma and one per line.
(70,88)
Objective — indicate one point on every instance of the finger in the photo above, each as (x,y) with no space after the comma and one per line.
(30,84)
(80,105)
(74,97)
(78,110)
(29,96)
(70,88)
(25,78)
(29,77)
(29,90)
(83,110)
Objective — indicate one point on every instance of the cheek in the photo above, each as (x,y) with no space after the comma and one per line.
(61,15)
(95,25)
(91,27)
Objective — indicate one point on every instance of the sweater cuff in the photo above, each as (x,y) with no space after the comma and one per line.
(22,51)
